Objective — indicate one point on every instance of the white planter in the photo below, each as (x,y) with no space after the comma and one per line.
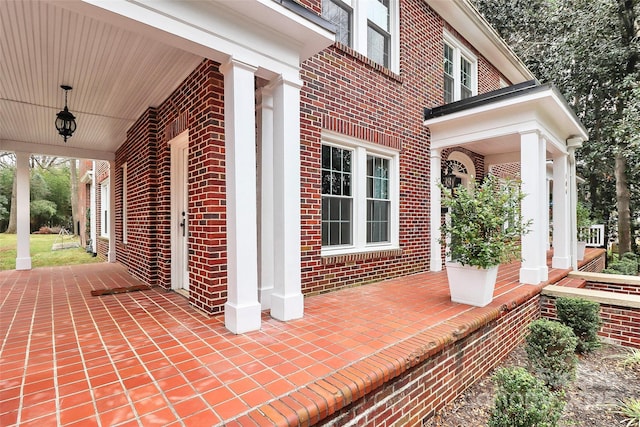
(471,285)
(581,247)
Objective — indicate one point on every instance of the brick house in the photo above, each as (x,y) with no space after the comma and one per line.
(294,148)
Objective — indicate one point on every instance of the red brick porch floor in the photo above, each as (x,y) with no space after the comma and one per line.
(148,358)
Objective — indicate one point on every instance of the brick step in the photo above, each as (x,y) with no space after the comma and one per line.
(569,282)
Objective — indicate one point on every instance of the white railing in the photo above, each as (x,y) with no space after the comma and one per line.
(594,235)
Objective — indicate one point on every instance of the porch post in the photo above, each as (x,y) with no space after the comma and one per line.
(112,212)
(287,302)
(94,210)
(436,205)
(561,224)
(572,145)
(265,191)
(242,309)
(23,212)
(534,268)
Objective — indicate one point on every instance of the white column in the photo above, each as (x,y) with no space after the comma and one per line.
(572,145)
(23,212)
(265,164)
(436,216)
(242,310)
(94,210)
(287,302)
(547,218)
(111,256)
(561,208)
(534,268)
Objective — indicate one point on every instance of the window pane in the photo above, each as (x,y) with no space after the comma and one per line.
(377,221)
(346,160)
(338,14)
(448,89)
(346,184)
(337,221)
(448,60)
(336,159)
(465,78)
(326,157)
(326,182)
(334,233)
(334,209)
(377,46)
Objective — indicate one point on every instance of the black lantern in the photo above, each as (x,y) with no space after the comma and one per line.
(65,121)
(449,180)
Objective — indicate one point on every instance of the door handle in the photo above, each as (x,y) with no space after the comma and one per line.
(183,224)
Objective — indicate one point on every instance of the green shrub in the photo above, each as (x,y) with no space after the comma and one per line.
(627,264)
(522,400)
(551,350)
(583,317)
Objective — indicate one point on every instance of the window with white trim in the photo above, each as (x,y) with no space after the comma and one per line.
(104,208)
(368,26)
(124,203)
(460,68)
(359,196)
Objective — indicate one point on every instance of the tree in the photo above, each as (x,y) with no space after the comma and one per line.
(589,49)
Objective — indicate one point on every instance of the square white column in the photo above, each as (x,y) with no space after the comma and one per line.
(265,191)
(242,309)
(23,212)
(287,302)
(534,268)
(111,256)
(436,208)
(561,209)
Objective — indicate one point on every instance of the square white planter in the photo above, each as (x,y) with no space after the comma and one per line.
(581,248)
(471,285)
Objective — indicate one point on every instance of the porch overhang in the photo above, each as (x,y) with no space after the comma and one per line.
(528,124)
(490,124)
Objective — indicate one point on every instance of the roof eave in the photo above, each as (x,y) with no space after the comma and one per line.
(467,21)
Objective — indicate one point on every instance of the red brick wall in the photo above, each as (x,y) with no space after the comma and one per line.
(347,93)
(620,325)
(629,289)
(197,105)
(414,397)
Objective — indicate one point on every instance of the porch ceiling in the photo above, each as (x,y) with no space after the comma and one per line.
(116,75)
(490,124)
(122,57)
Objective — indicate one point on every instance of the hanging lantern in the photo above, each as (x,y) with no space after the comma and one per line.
(65,121)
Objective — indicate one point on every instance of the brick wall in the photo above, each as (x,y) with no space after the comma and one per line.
(196,106)
(595,265)
(415,396)
(620,325)
(629,289)
(347,93)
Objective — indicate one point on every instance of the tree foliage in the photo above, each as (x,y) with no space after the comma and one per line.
(590,50)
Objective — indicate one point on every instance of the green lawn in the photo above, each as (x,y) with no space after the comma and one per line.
(41,253)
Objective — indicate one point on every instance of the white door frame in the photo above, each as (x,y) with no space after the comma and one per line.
(179,204)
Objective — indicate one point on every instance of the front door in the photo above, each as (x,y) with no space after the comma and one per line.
(179,212)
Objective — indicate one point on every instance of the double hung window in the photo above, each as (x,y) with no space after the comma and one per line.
(359,197)
(368,26)
(460,71)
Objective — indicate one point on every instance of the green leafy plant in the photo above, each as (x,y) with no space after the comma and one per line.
(485,223)
(550,348)
(583,317)
(522,400)
(583,221)
(630,410)
(627,264)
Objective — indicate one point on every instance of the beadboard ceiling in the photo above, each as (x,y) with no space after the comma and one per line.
(116,75)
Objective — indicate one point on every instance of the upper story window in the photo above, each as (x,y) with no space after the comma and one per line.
(368,26)
(460,71)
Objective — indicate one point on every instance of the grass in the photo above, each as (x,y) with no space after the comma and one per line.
(630,409)
(41,253)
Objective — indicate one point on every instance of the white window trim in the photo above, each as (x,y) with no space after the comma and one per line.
(359,186)
(104,207)
(124,203)
(359,31)
(460,50)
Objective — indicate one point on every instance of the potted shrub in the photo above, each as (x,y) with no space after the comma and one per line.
(484,230)
(583,223)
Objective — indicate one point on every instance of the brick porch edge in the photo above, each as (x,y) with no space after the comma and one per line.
(408,381)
